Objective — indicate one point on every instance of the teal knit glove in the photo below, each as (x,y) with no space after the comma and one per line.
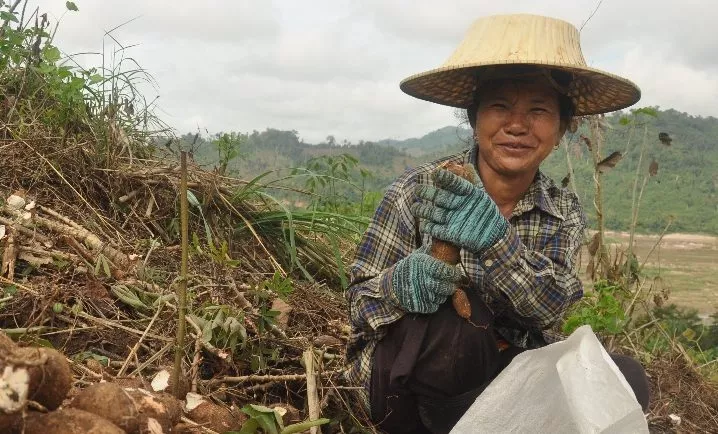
(459,212)
(420,283)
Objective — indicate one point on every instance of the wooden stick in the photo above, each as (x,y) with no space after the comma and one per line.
(259,378)
(312,395)
(27,231)
(182,285)
(114,255)
(134,349)
(68,221)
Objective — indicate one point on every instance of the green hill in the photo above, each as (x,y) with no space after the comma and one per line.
(685,188)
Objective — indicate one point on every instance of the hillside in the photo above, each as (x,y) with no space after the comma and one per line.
(685,188)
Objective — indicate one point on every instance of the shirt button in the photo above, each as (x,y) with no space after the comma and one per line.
(489,262)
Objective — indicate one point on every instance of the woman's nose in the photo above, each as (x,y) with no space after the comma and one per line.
(517,123)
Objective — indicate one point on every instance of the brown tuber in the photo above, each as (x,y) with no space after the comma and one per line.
(111,402)
(136,411)
(46,371)
(211,415)
(69,421)
(450,253)
(50,375)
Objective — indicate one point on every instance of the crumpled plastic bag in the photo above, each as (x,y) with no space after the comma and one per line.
(567,387)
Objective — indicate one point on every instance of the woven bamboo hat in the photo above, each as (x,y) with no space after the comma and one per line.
(496,44)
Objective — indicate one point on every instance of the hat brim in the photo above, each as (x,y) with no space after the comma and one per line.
(593,91)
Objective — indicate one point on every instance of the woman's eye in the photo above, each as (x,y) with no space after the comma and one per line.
(539,110)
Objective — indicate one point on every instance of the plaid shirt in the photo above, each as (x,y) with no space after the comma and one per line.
(527,278)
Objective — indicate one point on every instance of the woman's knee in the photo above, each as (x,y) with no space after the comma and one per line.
(636,377)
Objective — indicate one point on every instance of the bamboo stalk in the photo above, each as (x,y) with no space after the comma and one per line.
(182,284)
(312,394)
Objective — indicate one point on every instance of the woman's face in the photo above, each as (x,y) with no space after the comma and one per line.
(517,125)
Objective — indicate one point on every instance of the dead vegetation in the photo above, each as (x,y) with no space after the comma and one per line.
(90,263)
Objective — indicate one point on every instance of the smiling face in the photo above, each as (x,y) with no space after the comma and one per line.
(518,123)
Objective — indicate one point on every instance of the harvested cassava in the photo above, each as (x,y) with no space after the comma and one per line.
(49,374)
(211,415)
(111,402)
(69,421)
(450,253)
(14,385)
(156,409)
(162,382)
(136,411)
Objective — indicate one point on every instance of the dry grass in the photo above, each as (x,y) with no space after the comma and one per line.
(677,389)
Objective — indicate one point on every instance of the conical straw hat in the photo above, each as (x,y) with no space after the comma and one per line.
(501,40)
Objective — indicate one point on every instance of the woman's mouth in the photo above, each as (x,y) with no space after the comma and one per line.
(515,147)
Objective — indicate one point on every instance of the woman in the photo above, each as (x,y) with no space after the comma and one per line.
(521,79)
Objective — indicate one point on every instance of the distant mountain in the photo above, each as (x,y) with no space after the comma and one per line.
(685,188)
(446,138)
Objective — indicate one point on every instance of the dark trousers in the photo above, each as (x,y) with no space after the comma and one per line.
(429,369)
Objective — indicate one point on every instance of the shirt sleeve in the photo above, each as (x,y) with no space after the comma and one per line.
(389,238)
(537,286)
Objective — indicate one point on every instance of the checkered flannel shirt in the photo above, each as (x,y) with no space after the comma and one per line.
(527,278)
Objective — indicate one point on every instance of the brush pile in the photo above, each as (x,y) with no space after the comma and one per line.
(90,247)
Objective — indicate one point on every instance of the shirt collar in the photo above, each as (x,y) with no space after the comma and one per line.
(538,194)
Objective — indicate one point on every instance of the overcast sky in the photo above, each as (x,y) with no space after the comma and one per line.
(334,66)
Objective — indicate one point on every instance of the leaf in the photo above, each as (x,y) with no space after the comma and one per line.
(106,267)
(653,168)
(303,426)
(207,332)
(609,162)
(593,245)
(665,138)
(8,16)
(566,179)
(192,199)
(51,54)
(624,120)
(265,417)
(71,6)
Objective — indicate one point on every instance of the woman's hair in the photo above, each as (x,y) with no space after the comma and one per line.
(559,80)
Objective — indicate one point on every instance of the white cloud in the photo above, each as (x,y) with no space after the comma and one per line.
(334,67)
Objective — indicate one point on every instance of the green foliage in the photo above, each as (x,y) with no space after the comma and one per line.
(228,146)
(30,69)
(698,338)
(269,421)
(685,190)
(325,174)
(601,309)
(222,326)
(281,286)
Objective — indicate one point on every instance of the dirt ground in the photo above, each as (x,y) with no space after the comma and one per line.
(687,264)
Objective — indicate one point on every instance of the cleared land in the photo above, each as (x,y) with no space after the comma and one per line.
(686,263)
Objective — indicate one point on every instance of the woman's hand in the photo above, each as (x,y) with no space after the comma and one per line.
(420,283)
(459,212)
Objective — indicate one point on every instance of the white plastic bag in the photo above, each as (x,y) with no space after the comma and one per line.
(567,387)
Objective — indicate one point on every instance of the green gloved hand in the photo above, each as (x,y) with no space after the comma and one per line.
(459,212)
(420,283)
